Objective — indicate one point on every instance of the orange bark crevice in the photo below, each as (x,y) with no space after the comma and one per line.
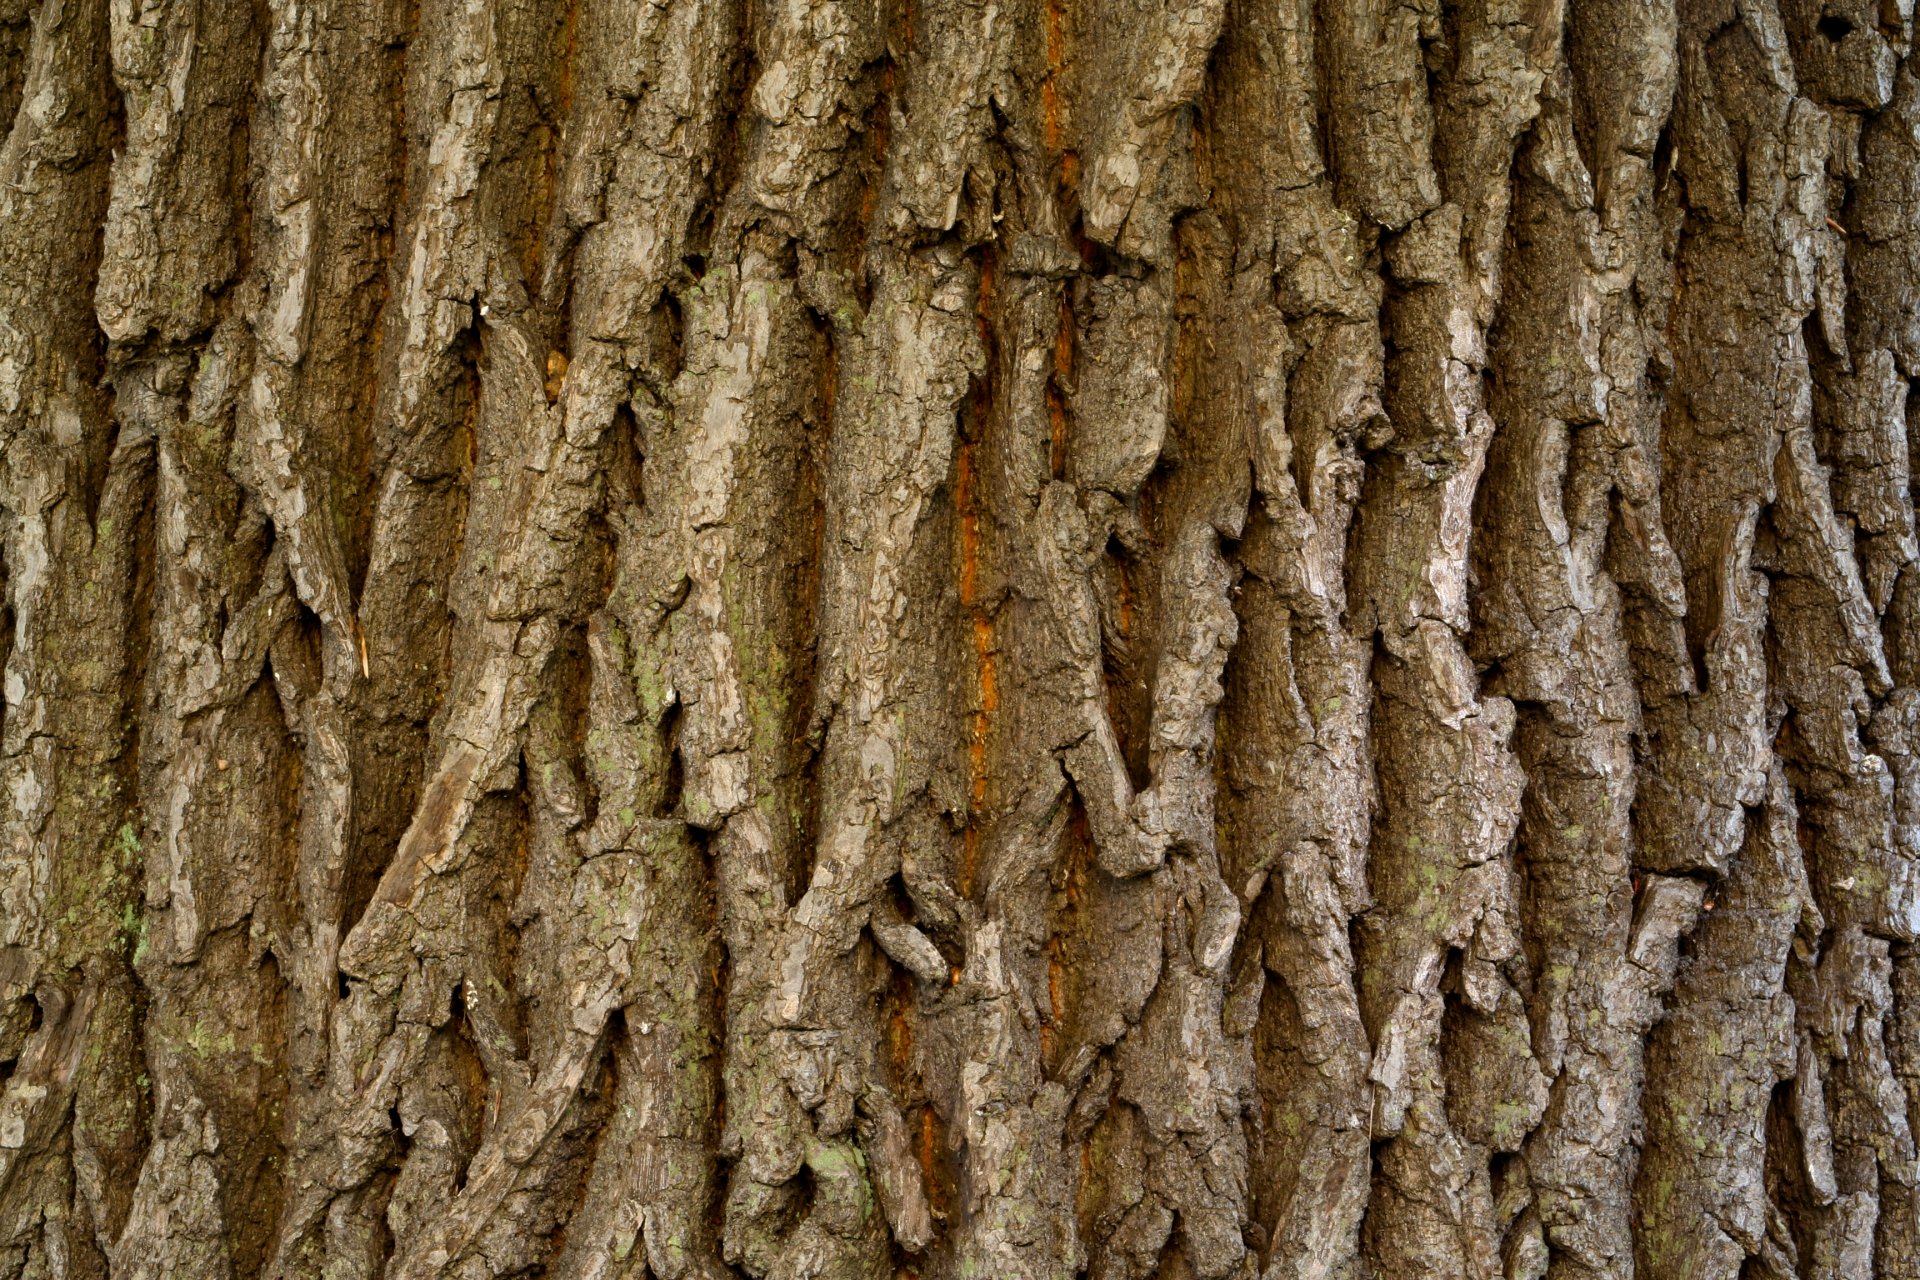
(987,694)
(1056,396)
(987,698)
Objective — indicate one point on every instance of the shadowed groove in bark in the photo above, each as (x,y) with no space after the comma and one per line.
(1141,638)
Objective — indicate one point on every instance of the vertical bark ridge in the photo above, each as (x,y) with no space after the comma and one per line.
(1299,799)
(209,719)
(1437,992)
(1553,618)
(75,488)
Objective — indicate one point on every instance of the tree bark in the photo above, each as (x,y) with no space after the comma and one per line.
(858,639)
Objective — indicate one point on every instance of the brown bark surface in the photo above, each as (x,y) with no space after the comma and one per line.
(862,639)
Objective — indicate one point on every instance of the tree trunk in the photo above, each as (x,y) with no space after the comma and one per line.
(863,639)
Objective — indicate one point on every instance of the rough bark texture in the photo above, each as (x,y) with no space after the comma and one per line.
(855,639)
